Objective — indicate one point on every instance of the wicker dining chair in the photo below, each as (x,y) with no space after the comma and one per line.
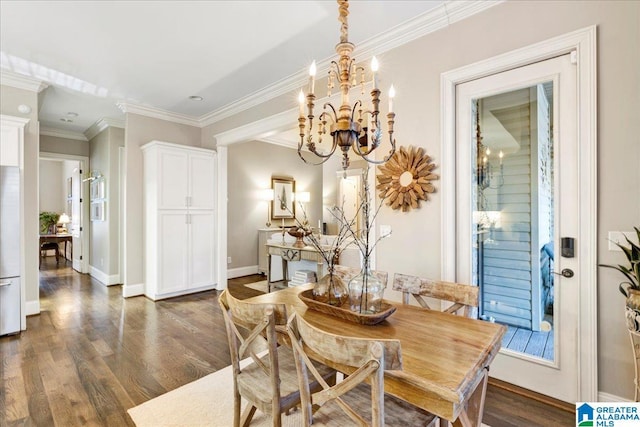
(463,297)
(269,383)
(360,398)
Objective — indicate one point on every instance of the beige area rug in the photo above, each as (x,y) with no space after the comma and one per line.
(259,286)
(207,402)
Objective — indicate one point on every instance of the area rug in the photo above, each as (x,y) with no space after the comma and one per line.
(258,286)
(207,402)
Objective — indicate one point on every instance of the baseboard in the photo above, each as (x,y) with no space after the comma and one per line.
(606,397)
(232,273)
(103,277)
(133,290)
(547,400)
(32,307)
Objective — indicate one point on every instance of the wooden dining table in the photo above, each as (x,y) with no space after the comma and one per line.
(445,357)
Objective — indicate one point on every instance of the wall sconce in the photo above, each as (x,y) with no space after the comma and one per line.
(267,196)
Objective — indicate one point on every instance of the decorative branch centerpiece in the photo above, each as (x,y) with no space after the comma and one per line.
(330,289)
(366,289)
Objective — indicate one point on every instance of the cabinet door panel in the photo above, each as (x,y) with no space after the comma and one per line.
(172,252)
(201,181)
(173,179)
(202,249)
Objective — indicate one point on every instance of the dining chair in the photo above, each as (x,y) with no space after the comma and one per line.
(269,382)
(463,297)
(46,246)
(359,399)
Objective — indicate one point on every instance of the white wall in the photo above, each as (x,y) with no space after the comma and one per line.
(248,174)
(51,190)
(414,247)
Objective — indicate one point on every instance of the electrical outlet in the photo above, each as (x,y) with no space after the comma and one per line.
(228,260)
(618,237)
(385,230)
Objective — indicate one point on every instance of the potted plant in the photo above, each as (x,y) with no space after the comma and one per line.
(48,221)
(630,288)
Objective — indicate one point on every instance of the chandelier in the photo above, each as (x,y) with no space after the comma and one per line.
(354,126)
(486,175)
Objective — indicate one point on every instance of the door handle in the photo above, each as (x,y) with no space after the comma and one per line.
(566,272)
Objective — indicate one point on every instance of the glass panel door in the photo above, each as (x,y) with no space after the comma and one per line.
(513,215)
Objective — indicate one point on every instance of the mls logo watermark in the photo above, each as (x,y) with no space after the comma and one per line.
(607,414)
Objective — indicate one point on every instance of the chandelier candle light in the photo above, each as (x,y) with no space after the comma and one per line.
(345,129)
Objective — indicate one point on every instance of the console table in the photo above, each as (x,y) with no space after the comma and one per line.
(289,253)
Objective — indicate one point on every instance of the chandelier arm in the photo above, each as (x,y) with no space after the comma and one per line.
(312,149)
(385,159)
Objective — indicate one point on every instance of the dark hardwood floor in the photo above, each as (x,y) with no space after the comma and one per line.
(90,355)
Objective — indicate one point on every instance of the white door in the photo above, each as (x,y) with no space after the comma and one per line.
(517,196)
(173,187)
(77,217)
(172,252)
(201,248)
(201,181)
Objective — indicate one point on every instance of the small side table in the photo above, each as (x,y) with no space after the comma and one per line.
(635,345)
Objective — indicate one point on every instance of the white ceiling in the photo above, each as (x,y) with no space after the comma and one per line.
(158,53)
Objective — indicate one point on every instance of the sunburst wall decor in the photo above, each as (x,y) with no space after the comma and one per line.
(406,178)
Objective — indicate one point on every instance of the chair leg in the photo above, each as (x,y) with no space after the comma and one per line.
(247,415)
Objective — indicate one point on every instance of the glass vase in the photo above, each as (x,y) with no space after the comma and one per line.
(330,289)
(365,292)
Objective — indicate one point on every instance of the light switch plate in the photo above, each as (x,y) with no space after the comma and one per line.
(618,237)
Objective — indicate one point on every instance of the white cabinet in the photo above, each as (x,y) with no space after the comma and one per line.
(180,194)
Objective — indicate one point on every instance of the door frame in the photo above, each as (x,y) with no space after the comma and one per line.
(84,195)
(581,44)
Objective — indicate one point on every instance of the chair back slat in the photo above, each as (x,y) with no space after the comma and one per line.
(463,296)
(368,357)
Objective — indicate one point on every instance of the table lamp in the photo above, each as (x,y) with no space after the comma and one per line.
(267,196)
(64,220)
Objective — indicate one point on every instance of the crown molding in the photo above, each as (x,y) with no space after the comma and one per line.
(60,133)
(158,113)
(101,125)
(20,81)
(280,142)
(428,22)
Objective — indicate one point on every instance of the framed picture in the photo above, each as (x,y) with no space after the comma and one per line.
(97,211)
(97,191)
(282,205)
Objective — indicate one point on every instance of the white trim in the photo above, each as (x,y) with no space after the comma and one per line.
(102,277)
(584,42)
(59,133)
(263,128)
(84,191)
(101,125)
(158,113)
(232,273)
(281,142)
(606,397)
(31,308)
(221,218)
(20,81)
(428,22)
(19,122)
(132,290)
